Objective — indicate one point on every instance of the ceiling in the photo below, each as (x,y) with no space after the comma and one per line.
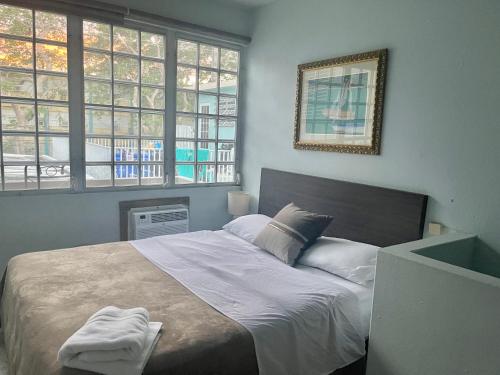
(248,3)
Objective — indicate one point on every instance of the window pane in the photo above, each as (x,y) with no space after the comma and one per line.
(16,21)
(227,106)
(96,35)
(184,174)
(152,124)
(98,149)
(53,148)
(186,101)
(18,148)
(21,177)
(206,174)
(187,52)
(51,58)
(153,98)
(207,104)
(52,87)
(153,73)
(186,78)
(207,128)
(229,59)
(215,89)
(152,45)
(98,175)
(126,123)
(228,84)
(185,127)
(152,174)
(152,150)
(208,81)
(18,116)
(209,56)
(52,118)
(206,152)
(184,151)
(126,175)
(97,65)
(125,40)
(126,150)
(50,26)
(55,176)
(16,84)
(225,173)
(126,95)
(126,68)
(227,129)
(16,53)
(97,92)
(225,152)
(98,121)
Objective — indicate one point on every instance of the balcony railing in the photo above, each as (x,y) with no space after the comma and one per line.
(21,172)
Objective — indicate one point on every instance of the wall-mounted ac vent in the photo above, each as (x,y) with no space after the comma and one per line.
(163,217)
(158,222)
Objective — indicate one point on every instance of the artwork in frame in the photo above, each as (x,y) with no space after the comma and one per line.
(340,102)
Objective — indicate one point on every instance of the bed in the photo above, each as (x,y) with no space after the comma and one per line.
(48,295)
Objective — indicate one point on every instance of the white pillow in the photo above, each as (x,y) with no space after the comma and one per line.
(354,261)
(248,226)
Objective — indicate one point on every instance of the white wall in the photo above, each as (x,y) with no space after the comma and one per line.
(441,126)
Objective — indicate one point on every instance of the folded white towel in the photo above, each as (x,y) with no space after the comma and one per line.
(108,335)
(121,367)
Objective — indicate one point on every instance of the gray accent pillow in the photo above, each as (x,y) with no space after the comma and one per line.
(291,231)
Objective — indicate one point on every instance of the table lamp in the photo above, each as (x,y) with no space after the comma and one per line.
(238,203)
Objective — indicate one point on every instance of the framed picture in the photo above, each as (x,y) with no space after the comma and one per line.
(339,104)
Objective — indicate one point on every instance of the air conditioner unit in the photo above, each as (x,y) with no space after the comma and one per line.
(158,222)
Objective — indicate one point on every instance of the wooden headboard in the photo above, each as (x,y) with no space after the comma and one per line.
(361,213)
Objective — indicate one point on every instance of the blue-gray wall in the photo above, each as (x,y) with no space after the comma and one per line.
(434,317)
(50,221)
(53,221)
(441,128)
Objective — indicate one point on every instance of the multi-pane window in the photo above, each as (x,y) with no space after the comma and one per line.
(34,124)
(207,109)
(116,131)
(124,72)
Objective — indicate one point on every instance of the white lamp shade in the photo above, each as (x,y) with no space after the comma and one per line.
(238,203)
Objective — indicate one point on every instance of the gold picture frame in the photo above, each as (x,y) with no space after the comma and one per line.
(339,104)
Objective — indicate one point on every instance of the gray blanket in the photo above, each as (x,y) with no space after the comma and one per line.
(48,295)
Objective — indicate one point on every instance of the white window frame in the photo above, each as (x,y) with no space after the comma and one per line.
(77,107)
(197,114)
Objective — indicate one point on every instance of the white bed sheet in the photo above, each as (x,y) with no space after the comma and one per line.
(364,294)
(300,324)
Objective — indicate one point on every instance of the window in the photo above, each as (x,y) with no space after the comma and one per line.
(207,109)
(34,125)
(88,104)
(124,72)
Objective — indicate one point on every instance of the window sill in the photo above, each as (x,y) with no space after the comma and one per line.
(112,189)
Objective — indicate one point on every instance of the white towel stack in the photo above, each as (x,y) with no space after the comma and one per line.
(112,342)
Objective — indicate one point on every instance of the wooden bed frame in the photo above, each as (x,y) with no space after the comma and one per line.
(362,213)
